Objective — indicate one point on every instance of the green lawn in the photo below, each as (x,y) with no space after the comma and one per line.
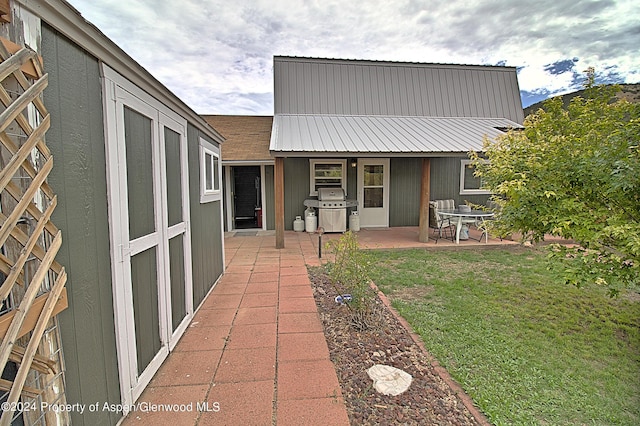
(527,348)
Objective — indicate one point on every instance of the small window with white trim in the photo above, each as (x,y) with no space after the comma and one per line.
(327,174)
(210,173)
(469,182)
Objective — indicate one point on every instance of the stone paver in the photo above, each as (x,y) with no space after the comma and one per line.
(255,352)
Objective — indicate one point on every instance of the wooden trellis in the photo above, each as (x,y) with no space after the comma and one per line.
(32,290)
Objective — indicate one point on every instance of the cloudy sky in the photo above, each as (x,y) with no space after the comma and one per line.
(216,55)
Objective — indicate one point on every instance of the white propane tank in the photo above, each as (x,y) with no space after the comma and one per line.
(311,222)
(298,224)
(354,221)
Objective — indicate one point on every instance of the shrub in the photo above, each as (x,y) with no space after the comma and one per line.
(349,274)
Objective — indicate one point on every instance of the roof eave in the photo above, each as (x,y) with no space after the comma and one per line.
(67,20)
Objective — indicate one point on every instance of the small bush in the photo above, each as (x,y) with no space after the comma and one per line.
(349,274)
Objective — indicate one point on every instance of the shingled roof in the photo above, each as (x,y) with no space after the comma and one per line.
(247,137)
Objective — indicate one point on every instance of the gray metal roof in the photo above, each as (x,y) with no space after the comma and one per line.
(357,87)
(304,135)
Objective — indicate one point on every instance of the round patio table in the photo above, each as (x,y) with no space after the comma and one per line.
(459,218)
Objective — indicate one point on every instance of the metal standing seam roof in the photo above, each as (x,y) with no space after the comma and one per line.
(303,134)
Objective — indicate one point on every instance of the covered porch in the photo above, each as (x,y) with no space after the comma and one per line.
(394,175)
(403,237)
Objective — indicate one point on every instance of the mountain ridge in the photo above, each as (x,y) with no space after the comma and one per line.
(630,92)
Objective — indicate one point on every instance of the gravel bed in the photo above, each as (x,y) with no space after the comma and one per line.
(428,401)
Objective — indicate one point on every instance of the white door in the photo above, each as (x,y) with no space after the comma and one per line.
(149,208)
(373,192)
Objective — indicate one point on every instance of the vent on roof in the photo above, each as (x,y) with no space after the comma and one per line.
(506,129)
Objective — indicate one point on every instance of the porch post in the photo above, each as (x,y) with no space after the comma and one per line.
(425,185)
(278,177)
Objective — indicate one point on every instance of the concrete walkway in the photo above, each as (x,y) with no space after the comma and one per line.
(255,353)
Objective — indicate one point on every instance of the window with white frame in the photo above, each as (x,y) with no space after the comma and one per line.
(327,174)
(469,183)
(210,172)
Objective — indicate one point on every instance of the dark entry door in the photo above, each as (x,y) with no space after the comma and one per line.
(246,197)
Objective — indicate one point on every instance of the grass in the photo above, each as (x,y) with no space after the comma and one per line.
(527,348)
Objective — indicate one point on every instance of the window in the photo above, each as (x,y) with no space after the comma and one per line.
(210,172)
(327,174)
(470,184)
(373,185)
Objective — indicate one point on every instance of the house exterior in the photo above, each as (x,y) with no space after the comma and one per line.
(392,135)
(138,182)
(247,171)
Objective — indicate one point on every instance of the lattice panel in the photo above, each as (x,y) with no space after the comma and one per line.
(32,289)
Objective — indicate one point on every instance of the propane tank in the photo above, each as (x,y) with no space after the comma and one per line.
(311,222)
(354,221)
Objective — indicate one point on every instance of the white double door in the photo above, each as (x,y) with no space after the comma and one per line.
(373,192)
(150,235)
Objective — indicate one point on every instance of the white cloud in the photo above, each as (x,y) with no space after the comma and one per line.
(217,55)
(534,78)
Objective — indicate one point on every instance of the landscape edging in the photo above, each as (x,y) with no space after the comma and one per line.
(442,372)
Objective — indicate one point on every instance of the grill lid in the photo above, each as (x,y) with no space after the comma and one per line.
(330,194)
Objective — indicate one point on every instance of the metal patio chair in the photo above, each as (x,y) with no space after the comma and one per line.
(436,222)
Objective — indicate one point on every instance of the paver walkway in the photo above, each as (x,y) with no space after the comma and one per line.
(255,353)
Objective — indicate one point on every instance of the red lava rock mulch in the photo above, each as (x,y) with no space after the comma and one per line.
(432,399)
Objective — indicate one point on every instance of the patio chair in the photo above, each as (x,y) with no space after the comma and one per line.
(445,204)
(495,208)
(451,205)
(438,223)
(481,225)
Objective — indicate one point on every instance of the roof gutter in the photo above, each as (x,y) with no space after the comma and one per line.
(312,154)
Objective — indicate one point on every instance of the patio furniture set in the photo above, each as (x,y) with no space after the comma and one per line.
(445,218)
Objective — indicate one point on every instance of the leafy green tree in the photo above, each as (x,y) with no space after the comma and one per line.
(573,172)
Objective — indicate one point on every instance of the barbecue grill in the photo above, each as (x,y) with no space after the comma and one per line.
(332,209)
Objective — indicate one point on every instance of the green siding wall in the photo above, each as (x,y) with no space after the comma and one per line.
(405,176)
(296,184)
(269,197)
(445,181)
(352,181)
(296,189)
(352,186)
(224,197)
(404,187)
(76,139)
(206,228)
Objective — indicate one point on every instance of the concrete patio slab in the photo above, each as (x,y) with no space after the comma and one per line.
(257,315)
(213,317)
(244,403)
(297,304)
(302,346)
(304,379)
(187,368)
(184,398)
(312,412)
(203,339)
(252,336)
(254,300)
(246,365)
(304,322)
